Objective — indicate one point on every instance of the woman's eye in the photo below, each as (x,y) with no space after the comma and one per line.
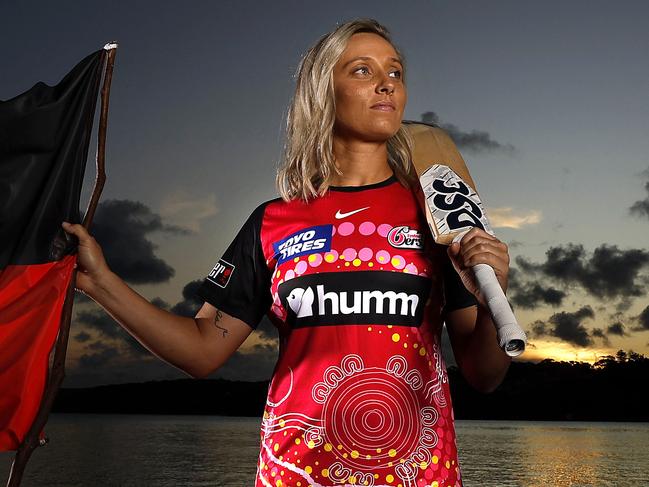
(397,74)
(362,68)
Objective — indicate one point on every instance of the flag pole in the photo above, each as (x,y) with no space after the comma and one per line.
(57,372)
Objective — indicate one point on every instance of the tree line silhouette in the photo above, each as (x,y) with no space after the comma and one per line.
(611,389)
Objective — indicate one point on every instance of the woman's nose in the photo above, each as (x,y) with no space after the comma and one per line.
(385,84)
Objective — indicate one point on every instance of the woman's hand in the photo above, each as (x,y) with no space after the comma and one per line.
(90,261)
(478,247)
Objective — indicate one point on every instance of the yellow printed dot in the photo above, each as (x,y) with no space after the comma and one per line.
(299,484)
(356,262)
(367,457)
(378,450)
(354,454)
(297,441)
(389,478)
(328,447)
(435,459)
(312,257)
(279,273)
(422,351)
(340,447)
(371,264)
(325,472)
(369,328)
(392,452)
(423,465)
(341,256)
(297,259)
(330,258)
(396,337)
(345,455)
(390,326)
(311,444)
(415,345)
(382,258)
(308,469)
(346,264)
(278,483)
(352,479)
(282,423)
(448,464)
(396,262)
(405,345)
(276,447)
(435,484)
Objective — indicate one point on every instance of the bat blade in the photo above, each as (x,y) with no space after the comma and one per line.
(452,206)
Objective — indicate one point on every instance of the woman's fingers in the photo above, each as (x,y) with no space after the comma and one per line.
(90,256)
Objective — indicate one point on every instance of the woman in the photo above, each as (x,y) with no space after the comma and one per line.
(342,265)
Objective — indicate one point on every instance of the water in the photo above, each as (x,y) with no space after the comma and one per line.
(163,451)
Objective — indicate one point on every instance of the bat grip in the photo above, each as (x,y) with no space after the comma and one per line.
(511,337)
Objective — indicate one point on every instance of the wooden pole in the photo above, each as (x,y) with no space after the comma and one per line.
(57,373)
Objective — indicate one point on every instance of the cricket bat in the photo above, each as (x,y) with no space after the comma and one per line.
(452,207)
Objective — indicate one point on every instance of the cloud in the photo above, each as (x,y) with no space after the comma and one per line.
(641,207)
(82,337)
(190,304)
(599,333)
(187,211)
(616,328)
(104,354)
(97,319)
(608,273)
(566,326)
(122,228)
(643,320)
(531,295)
(475,141)
(506,218)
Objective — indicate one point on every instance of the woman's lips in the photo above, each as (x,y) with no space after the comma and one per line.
(383,107)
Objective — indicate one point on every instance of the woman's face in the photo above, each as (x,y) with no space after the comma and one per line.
(369,92)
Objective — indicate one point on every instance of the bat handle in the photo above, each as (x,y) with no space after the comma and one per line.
(511,337)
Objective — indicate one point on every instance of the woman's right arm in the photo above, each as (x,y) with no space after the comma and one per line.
(198,345)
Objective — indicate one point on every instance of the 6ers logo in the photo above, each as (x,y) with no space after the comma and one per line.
(404,237)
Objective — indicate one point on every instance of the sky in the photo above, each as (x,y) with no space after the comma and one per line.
(547,102)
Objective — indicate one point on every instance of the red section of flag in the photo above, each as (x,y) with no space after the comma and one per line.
(31,300)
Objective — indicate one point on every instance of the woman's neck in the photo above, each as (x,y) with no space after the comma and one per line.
(361,163)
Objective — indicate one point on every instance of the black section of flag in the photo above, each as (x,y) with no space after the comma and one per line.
(44,136)
(361,297)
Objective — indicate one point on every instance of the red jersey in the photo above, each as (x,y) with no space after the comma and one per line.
(357,291)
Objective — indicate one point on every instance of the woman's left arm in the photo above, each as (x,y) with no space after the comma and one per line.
(471,331)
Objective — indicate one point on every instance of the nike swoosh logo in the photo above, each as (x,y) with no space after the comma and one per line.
(340,215)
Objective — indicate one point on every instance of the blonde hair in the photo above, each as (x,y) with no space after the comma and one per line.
(308,167)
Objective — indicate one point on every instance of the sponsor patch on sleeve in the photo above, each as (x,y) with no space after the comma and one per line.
(221,273)
(306,241)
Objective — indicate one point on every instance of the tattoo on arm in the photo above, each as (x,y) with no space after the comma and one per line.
(217,318)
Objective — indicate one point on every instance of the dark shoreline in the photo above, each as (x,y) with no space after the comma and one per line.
(545,391)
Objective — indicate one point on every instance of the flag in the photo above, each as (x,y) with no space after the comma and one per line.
(44,137)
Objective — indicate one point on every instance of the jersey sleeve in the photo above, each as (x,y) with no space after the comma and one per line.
(456,296)
(239,283)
